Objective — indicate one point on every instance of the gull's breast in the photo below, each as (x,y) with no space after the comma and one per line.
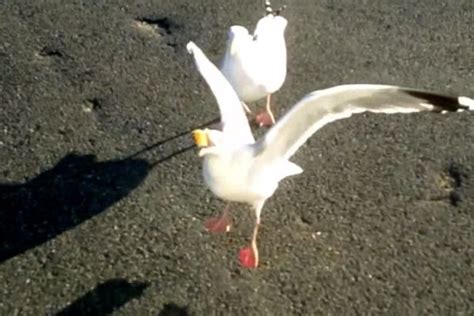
(231,179)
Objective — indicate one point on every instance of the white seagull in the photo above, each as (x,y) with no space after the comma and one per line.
(236,168)
(255,65)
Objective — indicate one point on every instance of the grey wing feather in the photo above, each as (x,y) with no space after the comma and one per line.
(325,106)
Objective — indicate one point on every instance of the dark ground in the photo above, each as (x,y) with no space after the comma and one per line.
(381,221)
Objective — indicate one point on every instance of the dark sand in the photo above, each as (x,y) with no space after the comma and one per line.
(381,221)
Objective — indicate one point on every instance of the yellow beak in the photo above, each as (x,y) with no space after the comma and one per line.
(200,138)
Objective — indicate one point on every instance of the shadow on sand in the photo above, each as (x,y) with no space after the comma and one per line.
(172,309)
(77,188)
(106,298)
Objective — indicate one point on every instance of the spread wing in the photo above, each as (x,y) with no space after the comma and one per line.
(233,118)
(325,106)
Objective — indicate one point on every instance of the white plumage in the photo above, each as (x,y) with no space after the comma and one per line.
(238,169)
(255,65)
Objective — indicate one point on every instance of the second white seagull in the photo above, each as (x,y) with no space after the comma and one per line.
(255,65)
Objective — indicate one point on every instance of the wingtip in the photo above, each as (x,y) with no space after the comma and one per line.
(190,47)
(467,102)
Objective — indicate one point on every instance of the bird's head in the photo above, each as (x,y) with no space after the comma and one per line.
(208,140)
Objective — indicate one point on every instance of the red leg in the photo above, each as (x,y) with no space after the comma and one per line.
(219,224)
(249,255)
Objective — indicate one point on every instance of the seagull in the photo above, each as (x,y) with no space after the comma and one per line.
(255,65)
(238,168)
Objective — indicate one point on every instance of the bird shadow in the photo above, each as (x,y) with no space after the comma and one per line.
(172,309)
(105,298)
(77,188)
